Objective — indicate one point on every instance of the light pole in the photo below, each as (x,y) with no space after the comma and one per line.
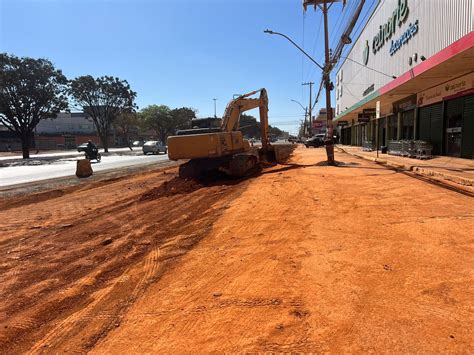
(292,42)
(329,143)
(215,112)
(305,114)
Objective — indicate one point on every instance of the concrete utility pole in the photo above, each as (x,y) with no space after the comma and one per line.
(331,60)
(310,126)
(327,84)
(215,112)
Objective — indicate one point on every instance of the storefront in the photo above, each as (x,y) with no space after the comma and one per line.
(446,117)
(423,86)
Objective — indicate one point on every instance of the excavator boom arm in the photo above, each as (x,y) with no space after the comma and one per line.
(243,103)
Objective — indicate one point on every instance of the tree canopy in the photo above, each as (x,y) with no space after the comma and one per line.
(31,90)
(103,99)
(250,127)
(166,121)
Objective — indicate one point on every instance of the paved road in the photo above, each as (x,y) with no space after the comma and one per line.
(62,153)
(67,167)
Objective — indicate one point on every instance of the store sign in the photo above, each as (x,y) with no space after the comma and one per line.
(368,111)
(405,104)
(404,38)
(318,124)
(363,118)
(342,123)
(365,55)
(438,93)
(388,29)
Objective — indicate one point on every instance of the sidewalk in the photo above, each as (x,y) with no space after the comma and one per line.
(457,170)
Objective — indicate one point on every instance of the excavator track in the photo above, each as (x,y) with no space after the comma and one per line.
(236,166)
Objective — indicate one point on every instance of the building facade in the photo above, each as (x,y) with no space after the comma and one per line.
(410,75)
(67,131)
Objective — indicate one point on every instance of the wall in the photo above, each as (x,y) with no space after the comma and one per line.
(440,23)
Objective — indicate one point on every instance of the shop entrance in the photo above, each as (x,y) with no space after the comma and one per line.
(453,132)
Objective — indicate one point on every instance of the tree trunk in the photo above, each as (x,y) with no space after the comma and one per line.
(125,136)
(25,145)
(105,143)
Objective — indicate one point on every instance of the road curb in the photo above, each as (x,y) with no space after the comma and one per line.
(71,180)
(414,168)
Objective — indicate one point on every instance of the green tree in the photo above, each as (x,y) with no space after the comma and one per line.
(182,117)
(165,121)
(103,99)
(31,90)
(250,127)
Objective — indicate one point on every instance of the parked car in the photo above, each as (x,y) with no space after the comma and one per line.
(315,141)
(154,147)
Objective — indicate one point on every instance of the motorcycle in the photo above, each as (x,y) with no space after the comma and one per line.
(93,154)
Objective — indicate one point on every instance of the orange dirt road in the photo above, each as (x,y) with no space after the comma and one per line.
(303,257)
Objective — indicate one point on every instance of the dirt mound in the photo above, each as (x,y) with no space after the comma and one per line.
(176,186)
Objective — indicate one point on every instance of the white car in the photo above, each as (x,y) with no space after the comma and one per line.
(154,147)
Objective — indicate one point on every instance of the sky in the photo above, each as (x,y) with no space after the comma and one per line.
(182,53)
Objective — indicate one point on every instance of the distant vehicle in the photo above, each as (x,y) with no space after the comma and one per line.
(292,139)
(82,147)
(154,147)
(137,144)
(315,141)
(93,155)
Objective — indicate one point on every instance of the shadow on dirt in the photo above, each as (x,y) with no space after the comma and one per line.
(178,186)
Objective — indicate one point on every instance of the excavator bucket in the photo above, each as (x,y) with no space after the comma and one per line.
(277,153)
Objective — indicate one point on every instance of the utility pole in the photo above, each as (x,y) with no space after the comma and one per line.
(310,126)
(327,84)
(215,112)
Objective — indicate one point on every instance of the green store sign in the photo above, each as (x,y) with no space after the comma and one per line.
(388,29)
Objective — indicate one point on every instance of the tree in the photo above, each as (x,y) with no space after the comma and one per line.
(31,90)
(124,122)
(165,121)
(250,127)
(103,99)
(182,117)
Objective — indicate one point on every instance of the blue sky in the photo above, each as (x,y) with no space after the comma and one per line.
(179,53)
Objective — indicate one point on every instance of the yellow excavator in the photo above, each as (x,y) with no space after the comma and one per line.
(224,148)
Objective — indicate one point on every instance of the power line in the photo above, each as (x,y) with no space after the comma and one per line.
(370,68)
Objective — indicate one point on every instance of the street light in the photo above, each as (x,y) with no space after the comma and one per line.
(215,113)
(305,114)
(301,49)
(304,108)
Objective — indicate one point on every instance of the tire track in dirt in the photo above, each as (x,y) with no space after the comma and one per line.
(75,302)
(62,330)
